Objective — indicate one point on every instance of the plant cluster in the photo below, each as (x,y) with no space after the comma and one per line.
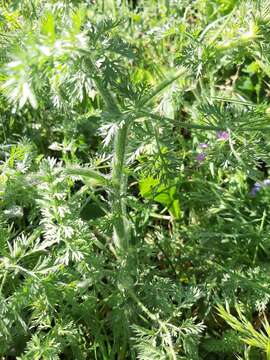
(134,184)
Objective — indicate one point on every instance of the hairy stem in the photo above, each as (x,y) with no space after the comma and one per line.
(121,228)
(118,181)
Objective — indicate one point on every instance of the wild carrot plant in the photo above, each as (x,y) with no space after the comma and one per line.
(134,185)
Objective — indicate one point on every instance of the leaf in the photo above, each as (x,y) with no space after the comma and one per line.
(151,188)
(27,94)
(48,27)
(89,174)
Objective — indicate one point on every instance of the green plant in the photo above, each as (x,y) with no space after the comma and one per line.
(134,186)
(251,336)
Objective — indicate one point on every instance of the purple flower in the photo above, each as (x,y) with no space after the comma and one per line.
(256,187)
(200,157)
(203,146)
(223,135)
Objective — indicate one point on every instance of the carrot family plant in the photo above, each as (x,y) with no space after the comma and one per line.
(134,186)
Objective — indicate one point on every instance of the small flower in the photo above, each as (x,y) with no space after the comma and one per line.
(266,182)
(203,146)
(256,187)
(201,157)
(223,135)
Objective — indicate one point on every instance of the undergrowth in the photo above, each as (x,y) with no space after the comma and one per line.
(134,186)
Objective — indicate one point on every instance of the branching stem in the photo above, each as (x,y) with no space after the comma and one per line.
(118,181)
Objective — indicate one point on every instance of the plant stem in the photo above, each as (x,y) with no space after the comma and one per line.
(118,179)
(169,80)
(155,319)
(121,231)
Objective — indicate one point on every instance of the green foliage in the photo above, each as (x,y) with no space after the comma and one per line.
(166,195)
(249,334)
(134,190)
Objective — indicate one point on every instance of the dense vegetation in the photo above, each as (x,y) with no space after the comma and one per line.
(134,190)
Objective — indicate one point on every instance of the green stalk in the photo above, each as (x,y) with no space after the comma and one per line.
(155,319)
(118,178)
(169,80)
(104,92)
(118,181)
(121,228)
(98,178)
